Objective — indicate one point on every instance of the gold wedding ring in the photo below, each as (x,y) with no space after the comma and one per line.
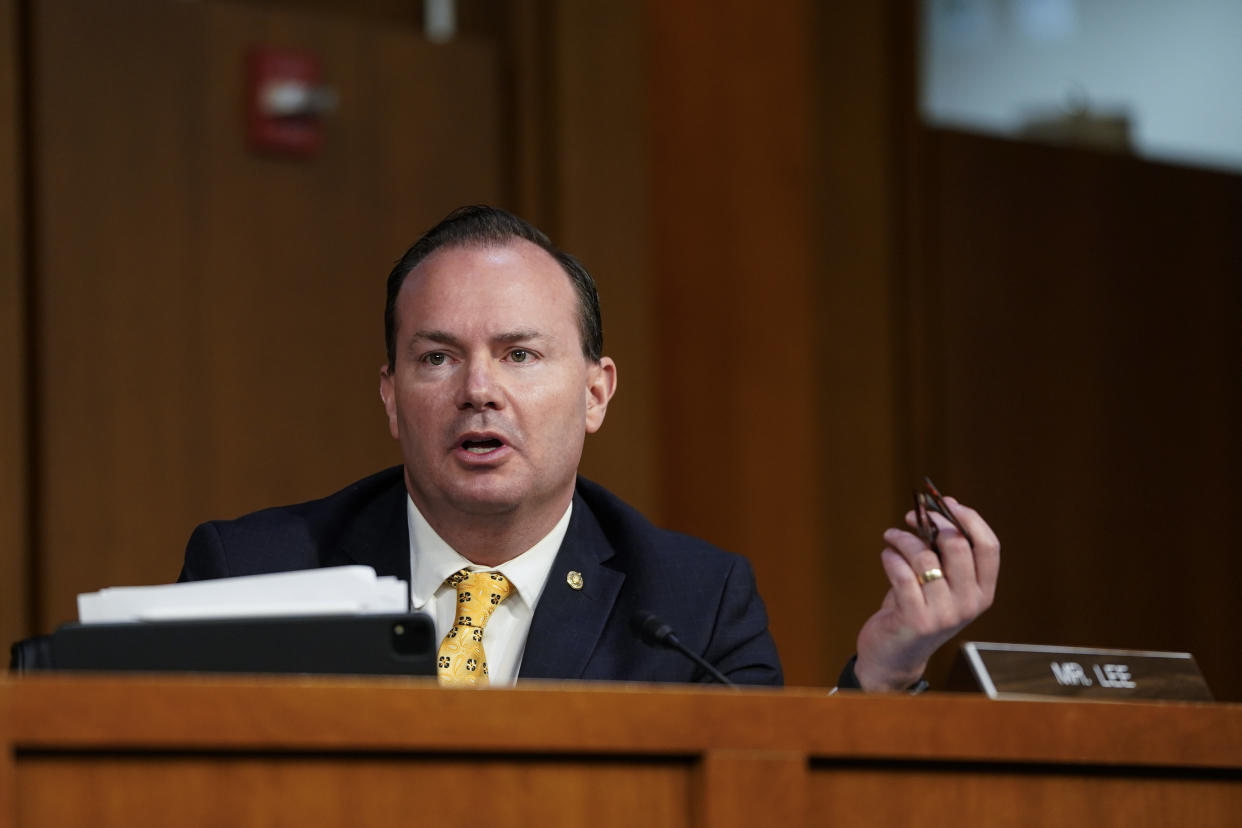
(930,575)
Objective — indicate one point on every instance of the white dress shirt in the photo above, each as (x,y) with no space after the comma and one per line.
(432,560)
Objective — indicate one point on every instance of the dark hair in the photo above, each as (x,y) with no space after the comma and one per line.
(482,226)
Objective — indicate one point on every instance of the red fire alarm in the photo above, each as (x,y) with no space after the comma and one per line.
(286,101)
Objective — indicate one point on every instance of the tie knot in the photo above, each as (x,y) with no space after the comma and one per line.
(478,595)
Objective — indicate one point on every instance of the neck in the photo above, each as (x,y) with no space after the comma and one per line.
(491,539)
(489,542)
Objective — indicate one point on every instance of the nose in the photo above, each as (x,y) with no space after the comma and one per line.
(481,386)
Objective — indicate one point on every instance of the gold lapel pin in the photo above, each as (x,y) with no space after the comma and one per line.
(574,579)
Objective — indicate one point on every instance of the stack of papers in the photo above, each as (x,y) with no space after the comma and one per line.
(338,590)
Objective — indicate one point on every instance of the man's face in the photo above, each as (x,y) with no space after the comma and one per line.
(491,395)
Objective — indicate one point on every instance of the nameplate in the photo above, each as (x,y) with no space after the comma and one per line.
(1027,671)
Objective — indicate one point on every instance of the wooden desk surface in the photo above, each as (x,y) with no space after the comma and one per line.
(297,748)
(279,713)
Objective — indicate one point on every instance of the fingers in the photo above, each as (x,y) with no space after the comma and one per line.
(986,552)
(970,572)
(979,559)
(906,591)
(956,554)
(912,548)
(906,558)
(929,613)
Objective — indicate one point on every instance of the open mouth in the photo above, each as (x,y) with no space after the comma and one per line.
(481,446)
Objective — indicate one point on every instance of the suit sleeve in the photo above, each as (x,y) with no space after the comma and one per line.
(741,646)
(204,555)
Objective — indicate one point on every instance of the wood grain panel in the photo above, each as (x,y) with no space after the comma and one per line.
(114,295)
(600,140)
(8,769)
(990,798)
(171,790)
(860,418)
(251,750)
(732,257)
(93,714)
(773,224)
(211,318)
(1081,313)
(14,429)
(734,786)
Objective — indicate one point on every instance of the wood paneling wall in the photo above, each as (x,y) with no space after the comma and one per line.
(860,414)
(848,301)
(599,140)
(771,220)
(210,329)
(1080,313)
(14,461)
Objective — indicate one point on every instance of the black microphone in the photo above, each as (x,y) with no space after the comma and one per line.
(658,634)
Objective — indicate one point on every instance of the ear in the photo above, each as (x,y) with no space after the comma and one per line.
(601,385)
(388,393)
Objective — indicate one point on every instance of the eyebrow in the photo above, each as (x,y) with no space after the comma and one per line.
(506,338)
(527,335)
(434,336)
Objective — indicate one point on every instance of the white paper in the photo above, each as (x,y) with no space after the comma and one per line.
(338,590)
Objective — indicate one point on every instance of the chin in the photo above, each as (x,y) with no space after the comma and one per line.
(484,506)
(485,498)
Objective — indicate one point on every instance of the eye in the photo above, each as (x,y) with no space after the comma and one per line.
(519,355)
(435,358)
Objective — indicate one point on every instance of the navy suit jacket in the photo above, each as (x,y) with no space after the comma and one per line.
(706,595)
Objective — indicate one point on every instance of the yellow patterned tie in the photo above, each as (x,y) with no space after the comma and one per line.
(461,662)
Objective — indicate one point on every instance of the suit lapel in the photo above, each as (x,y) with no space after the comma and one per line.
(378,537)
(568,622)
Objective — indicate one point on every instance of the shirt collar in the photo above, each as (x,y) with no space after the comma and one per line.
(432,560)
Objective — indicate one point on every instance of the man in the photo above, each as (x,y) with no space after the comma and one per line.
(495,375)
